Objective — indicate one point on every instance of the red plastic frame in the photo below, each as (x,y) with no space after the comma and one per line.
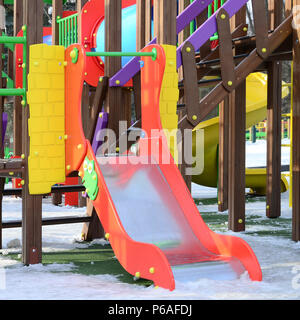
(135,256)
(92,14)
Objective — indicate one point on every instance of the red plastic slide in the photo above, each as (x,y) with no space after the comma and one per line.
(152,222)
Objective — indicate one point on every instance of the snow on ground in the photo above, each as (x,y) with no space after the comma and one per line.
(279,258)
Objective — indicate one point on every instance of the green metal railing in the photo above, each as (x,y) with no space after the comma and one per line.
(210,13)
(152,54)
(68,30)
(13,41)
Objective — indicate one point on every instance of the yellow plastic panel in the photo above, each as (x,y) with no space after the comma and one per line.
(168,100)
(46,125)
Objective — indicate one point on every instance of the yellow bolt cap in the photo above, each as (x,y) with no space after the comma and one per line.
(230,83)
(223,16)
(107,235)
(73,54)
(188,49)
(22,182)
(137,274)
(152,270)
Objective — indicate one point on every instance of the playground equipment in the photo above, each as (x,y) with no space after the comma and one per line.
(165,237)
(143,203)
(256,98)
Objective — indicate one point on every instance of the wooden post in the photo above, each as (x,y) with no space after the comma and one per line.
(165,21)
(237,128)
(18,22)
(113,103)
(2,180)
(143,36)
(94,229)
(296,127)
(223,155)
(31,205)
(183,35)
(274,122)
(288,7)
(57,6)
(79,6)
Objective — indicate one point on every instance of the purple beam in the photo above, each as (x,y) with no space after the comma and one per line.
(99,136)
(133,66)
(4,125)
(209,27)
(190,13)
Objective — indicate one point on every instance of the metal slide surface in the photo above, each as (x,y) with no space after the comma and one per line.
(150,213)
(153,224)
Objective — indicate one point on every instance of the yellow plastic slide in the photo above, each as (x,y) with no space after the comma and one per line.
(256,95)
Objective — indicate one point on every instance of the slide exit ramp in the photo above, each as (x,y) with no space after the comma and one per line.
(148,214)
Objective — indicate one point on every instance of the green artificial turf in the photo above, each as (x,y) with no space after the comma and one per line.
(99,260)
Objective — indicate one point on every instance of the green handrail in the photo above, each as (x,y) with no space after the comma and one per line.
(209,14)
(17,40)
(152,54)
(68,30)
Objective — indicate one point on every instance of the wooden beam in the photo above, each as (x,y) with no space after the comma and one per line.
(205,50)
(31,205)
(57,6)
(79,5)
(97,105)
(223,155)
(237,128)
(296,129)
(143,36)
(2,180)
(113,30)
(252,62)
(93,229)
(275,8)
(273,188)
(288,7)
(183,35)
(165,22)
